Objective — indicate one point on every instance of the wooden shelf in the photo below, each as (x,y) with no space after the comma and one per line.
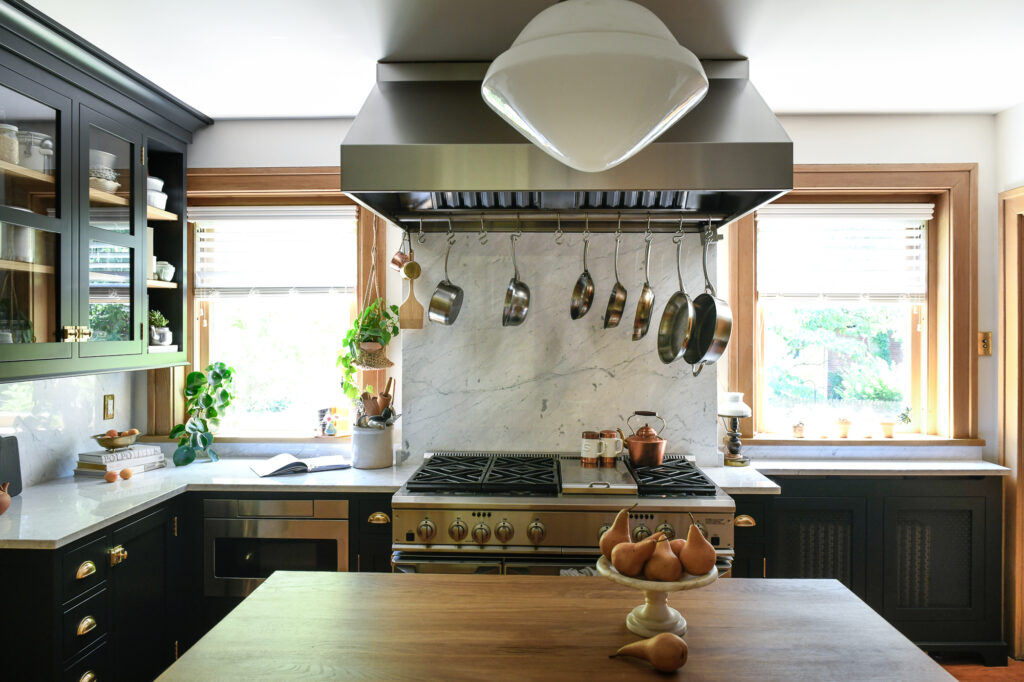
(160,284)
(154,213)
(27,173)
(18,266)
(108,199)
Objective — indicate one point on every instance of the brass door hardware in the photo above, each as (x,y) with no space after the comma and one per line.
(87,676)
(744,521)
(117,555)
(72,334)
(86,569)
(85,626)
(175,526)
(378,518)
(984,343)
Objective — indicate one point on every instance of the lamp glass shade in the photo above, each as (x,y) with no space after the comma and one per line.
(592,82)
(732,405)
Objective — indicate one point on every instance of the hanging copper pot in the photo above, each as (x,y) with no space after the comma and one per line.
(646,447)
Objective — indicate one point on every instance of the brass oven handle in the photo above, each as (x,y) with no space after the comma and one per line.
(86,569)
(117,555)
(378,518)
(86,625)
(744,521)
(87,676)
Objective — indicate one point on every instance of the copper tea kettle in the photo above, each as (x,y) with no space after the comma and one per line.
(646,448)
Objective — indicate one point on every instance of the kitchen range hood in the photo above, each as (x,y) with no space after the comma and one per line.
(426,149)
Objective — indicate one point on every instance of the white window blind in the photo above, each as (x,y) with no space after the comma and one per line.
(843,251)
(274,250)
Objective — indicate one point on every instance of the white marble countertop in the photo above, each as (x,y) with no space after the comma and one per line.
(876,467)
(56,513)
(742,480)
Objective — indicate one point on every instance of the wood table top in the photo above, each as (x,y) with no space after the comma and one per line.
(366,626)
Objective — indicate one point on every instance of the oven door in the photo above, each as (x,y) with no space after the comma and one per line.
(420,562)
(241,553)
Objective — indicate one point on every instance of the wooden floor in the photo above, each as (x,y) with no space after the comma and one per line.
(970,669)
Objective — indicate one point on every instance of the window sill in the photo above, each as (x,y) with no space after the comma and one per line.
(900,440)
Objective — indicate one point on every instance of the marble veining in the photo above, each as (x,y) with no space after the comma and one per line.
(53,420)
(478,385)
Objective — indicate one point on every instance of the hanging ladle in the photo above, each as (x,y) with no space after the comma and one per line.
(617,300)
(583,292)
(447,299)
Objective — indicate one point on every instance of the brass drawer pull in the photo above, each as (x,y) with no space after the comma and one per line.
(378,518)
(117,555)
(745,521)
(86,625)
(87,676)
(85,570)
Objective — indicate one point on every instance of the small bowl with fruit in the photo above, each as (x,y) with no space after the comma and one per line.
(656,565)
(117,440)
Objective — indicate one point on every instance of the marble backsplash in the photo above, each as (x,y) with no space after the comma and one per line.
(53,420)
(478,385)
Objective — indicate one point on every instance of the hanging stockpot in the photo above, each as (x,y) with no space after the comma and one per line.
(712,319)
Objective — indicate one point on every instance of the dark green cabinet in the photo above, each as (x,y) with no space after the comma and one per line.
(372,528)
(924,552)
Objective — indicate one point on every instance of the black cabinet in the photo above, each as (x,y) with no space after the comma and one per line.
(924,552)
(372,527)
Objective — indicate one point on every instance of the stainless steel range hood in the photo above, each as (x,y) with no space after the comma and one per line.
(426,148)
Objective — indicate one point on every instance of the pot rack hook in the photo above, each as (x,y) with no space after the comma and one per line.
(678,236)
(648,235)
(483,231)
(451,233)
(559,233)
(422,237)
(519,226)
(618,228)
(586,227)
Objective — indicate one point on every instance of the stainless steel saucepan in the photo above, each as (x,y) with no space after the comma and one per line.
(676,328)
(646,303)
(617,299)
(712,320)
(517,296)
(446,302)
(583,292)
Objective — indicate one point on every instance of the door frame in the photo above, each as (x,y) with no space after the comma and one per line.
(1011,410)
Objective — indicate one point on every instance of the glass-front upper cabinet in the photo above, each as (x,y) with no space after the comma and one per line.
(110,241)
(29,153)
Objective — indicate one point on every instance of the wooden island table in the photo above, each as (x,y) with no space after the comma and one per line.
(365,626)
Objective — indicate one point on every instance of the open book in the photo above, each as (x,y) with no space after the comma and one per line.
(290,464)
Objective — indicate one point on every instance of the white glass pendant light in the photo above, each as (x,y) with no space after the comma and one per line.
(592,82)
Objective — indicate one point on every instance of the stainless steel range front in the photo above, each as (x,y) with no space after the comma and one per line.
(514,513)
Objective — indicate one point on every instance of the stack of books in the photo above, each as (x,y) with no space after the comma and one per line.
(138,458)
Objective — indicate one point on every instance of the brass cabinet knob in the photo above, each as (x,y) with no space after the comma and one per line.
(86,569)
(744,521)
(117,555)
(379,518)
(86,625)
(87,676)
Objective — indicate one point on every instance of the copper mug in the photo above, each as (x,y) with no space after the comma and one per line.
(403,255)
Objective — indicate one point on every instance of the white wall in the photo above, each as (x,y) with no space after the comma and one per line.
(927,139)
(1010,148)
(269,142)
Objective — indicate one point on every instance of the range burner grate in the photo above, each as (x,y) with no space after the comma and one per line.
(674,477)
(469,472)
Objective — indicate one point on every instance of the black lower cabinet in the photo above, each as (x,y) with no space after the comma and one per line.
(373,527)
(925,553)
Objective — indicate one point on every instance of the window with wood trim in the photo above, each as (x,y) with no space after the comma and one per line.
(813,346)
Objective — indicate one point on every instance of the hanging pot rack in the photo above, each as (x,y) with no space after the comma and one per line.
(551,222)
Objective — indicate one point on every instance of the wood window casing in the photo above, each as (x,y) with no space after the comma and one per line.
(952,395)
(265,186)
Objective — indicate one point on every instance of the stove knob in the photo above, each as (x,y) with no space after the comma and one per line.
(426,530)
(481,533)
(601,531)
(504,532)
(536,532)
(458,530)
(641,532)
(667,529)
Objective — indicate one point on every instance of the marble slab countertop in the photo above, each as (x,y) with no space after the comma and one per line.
(742,480)
(863,467)
(56,513)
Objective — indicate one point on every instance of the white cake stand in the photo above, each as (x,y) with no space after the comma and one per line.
(655,616)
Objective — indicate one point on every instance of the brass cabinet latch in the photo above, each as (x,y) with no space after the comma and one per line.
(72,334)
(117,555)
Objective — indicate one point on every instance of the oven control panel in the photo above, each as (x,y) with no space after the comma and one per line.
(466,529)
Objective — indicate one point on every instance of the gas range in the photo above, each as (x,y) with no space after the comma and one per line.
(477,506)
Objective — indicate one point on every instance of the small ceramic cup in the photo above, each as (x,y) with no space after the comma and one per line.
(591,448)
(612,442)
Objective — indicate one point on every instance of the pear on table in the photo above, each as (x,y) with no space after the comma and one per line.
(666,652)
(697,555)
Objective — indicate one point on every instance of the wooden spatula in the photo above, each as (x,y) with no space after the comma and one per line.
(410,313)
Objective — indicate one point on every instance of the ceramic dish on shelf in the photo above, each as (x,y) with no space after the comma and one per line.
(154,183)
(104,185)
(156,199)
(101,159)
(116,442)
(164,271)
(655,616)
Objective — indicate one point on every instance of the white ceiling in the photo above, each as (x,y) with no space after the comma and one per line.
(315,58)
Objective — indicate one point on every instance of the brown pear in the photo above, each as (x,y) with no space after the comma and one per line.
(619,532)
(666,652)
(629,558)
(663,565)
(677,545)
(698,555)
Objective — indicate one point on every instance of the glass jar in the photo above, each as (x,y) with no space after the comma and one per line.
(8,143)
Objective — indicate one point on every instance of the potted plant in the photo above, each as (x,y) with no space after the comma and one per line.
(366,343)
(798,430)
(159,333)
(888,427)
(844,427)
(207,395)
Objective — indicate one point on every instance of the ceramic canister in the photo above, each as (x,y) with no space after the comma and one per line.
(612,441)
(591,448)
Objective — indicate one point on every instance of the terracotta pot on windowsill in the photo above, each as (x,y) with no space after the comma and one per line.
(844,428)
(888,429)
